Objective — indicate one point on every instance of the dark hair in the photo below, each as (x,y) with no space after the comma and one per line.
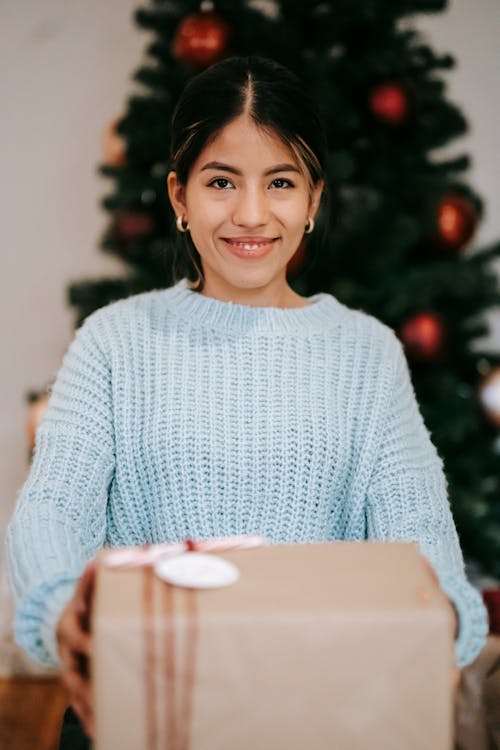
(272,96)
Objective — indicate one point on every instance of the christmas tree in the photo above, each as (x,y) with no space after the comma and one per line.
(394,235)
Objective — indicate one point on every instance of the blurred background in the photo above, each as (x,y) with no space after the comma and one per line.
(65,74)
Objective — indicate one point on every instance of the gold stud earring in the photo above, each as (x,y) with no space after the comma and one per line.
(309,226)
(180,224)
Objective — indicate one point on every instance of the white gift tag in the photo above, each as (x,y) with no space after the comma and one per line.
(197,570)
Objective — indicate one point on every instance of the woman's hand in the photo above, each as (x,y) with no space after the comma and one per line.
(455,678)
(74,644)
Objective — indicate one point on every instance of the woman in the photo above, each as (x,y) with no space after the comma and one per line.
(227,404)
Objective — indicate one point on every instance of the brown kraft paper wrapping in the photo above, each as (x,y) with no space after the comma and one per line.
(336,644)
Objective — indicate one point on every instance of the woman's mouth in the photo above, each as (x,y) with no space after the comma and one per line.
(250,247)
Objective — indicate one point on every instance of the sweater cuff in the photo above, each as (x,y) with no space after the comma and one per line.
(473,625)
(36,621)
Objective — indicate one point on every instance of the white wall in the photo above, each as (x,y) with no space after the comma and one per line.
(65,70)
(64,73)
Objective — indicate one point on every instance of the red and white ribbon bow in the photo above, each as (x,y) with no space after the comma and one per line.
(150,554)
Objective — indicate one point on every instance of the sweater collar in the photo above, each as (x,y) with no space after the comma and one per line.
(208,312)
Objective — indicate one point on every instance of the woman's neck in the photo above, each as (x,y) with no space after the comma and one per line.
(254,298)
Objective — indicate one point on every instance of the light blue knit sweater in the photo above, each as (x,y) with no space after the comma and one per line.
(175,415)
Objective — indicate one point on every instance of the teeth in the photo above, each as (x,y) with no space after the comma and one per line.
(247,246)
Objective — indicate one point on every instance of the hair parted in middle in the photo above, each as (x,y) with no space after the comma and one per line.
(272,96)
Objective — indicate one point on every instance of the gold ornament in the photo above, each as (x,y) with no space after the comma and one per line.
(180,224)
(309,226)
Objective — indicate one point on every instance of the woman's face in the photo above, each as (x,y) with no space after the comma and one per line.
(247,203)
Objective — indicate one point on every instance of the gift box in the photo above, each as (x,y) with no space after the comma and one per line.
(337,644)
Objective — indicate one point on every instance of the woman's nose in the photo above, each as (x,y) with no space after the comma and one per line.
(250,209)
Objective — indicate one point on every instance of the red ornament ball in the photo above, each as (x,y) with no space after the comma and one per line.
(114,147)
(423,336)
(456,221)
(491,598)
(201,40)
(390,103)
(489,395)
(131,225)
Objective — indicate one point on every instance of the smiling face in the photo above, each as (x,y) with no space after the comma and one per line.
(247,202)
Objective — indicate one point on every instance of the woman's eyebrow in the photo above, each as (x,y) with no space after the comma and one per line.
(219,166)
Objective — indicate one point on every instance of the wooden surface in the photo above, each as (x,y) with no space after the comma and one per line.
(31,711)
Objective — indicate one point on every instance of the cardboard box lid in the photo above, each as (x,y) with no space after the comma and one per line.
(327,576)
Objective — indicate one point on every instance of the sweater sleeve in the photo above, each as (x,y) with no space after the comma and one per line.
(407,501)
(59,520)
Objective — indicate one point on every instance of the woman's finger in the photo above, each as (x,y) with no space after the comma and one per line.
(71,633)
(84,714)
(80,642)
(71,672)
(452,604)
(79,686)
(80,697)
(64,656)
(84,594)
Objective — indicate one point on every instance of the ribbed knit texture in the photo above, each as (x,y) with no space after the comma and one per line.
(175,415)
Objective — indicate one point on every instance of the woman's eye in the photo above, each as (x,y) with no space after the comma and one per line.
(281,182)
(221,183)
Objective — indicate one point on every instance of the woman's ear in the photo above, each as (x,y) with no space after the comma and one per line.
(177,194)
(316,198)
